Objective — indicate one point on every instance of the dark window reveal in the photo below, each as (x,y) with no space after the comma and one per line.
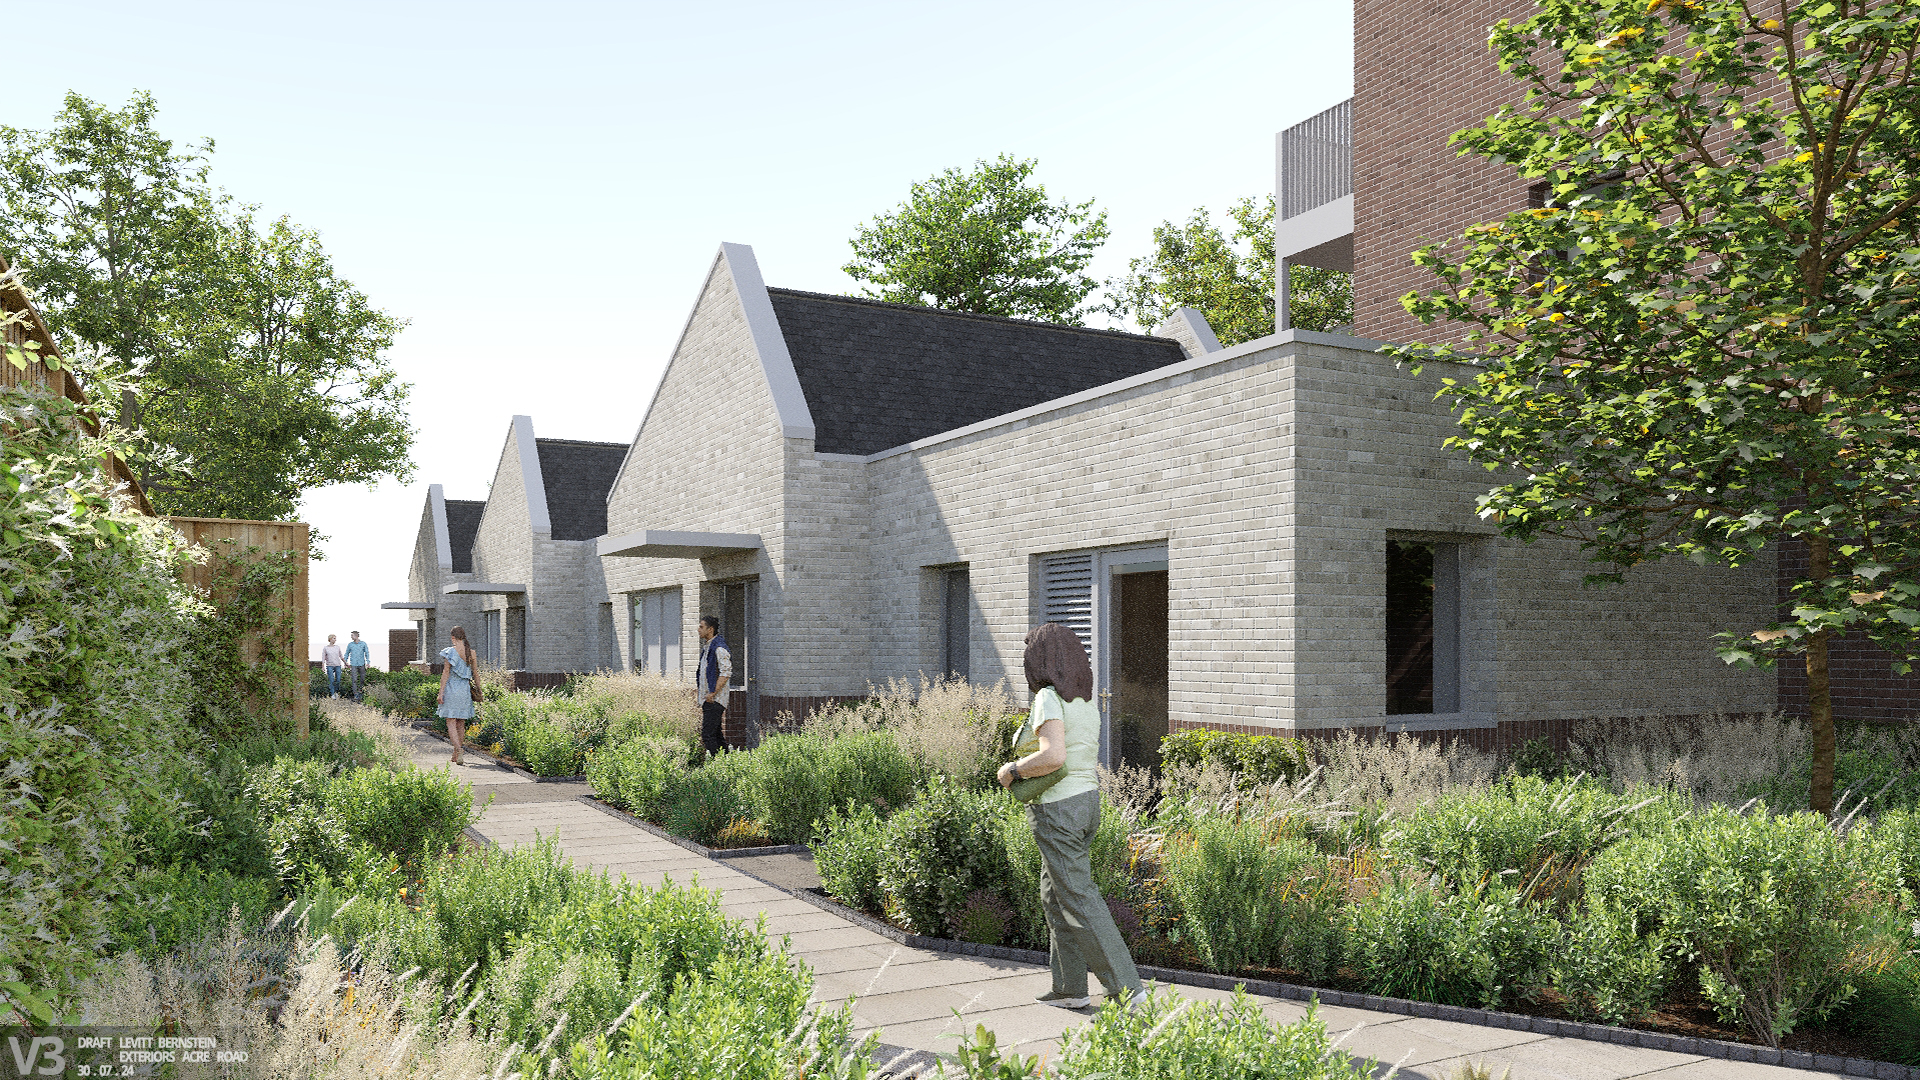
(1410,596)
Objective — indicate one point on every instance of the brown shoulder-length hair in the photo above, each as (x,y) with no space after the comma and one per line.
(1056,658)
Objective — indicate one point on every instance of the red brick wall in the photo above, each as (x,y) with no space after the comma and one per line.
(1864,685)
(1421,71)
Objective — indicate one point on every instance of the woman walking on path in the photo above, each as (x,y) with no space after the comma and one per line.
(1080,930)
(456,689)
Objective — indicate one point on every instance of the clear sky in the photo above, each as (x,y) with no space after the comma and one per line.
(538,189)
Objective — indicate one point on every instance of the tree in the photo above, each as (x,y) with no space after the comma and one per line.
(1231,282)
(1706,341)
(985,241)
(258,367)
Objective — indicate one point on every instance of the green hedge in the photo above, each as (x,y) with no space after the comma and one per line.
(1257,759)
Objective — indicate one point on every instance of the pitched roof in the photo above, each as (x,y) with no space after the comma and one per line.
(463,524)
(577,476)
(878,375)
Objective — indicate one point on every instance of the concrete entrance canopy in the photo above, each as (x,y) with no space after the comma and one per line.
(489,587)
(661,544)
(409,605)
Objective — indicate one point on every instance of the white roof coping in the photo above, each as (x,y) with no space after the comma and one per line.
(665,544)
(481,587)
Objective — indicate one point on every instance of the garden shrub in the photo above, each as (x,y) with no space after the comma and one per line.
(1607,968)
(742,833)
(1767,907)
(1485,948)
(847,855)
(545,748)
(1873,776)
(1247,898)
(1523,827)
(1255,759)
(167,907)
(1886,1009)
(790,785)
(1891,844)
(1220,1040)
(290,797)
(402,813)
(698,804)
(636,775)
(92,707)
(942,847)
(872,769)
(607,943)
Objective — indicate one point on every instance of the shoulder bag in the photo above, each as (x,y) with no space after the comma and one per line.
(1026,741)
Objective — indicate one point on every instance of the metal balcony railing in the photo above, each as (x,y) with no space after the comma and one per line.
(1316,160)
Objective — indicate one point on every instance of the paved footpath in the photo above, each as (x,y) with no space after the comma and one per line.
(908,995)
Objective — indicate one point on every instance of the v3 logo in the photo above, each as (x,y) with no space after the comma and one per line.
(27,1054)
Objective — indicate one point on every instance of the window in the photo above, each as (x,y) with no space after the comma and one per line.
(735,604)
(489,643)
(656,632)
(956,603)
(1423,635)
(609,659)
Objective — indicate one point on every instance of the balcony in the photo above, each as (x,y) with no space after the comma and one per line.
(1313,183)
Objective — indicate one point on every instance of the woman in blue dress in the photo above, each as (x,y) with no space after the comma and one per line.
(456,689)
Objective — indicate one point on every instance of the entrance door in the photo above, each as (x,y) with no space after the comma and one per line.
(1085,591)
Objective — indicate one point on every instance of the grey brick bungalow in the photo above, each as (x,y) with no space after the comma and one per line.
(519,570)
(1268,537)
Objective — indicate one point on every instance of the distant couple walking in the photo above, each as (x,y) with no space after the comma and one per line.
(354,658)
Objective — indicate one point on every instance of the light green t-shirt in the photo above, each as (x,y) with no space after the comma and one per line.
(1082,722)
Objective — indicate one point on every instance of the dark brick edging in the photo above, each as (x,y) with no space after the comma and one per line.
(1540,1025)
(697,849)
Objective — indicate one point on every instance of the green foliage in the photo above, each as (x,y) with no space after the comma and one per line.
(1769,908)
(92,714)
(1255,759)
(1484,948)
(940,848)
(1891,842)
(1869,778)
(792,781)
(1887,1009)
(847,854)
(167,907)
(726,1026)
(1608,968)
(1529,830)
(403,813)
(239,652)
(705,800)
(261,371)
(986,241)
(1230,281)
(547,749)
(979,1057)
(637,774)
(1247,898)
(1170,1038)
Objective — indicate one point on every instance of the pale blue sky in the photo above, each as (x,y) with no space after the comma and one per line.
(539,188)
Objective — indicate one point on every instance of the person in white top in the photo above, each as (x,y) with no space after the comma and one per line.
(333,659)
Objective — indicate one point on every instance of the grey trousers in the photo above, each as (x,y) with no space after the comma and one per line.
(1080,930)
(359,679)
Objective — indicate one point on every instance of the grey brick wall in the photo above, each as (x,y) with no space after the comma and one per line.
(709,457)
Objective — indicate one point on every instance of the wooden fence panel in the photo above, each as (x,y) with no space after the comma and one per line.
(268,536)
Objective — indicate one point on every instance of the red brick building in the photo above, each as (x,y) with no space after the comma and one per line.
(1364,183)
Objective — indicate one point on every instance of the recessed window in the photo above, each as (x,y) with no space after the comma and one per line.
(956,602)
(1423,620)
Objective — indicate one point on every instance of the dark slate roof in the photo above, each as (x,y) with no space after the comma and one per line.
(878,375)
(578,476)
(463,524)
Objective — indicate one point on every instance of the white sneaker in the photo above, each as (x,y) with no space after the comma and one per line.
(1138,999)
(1064,1001)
